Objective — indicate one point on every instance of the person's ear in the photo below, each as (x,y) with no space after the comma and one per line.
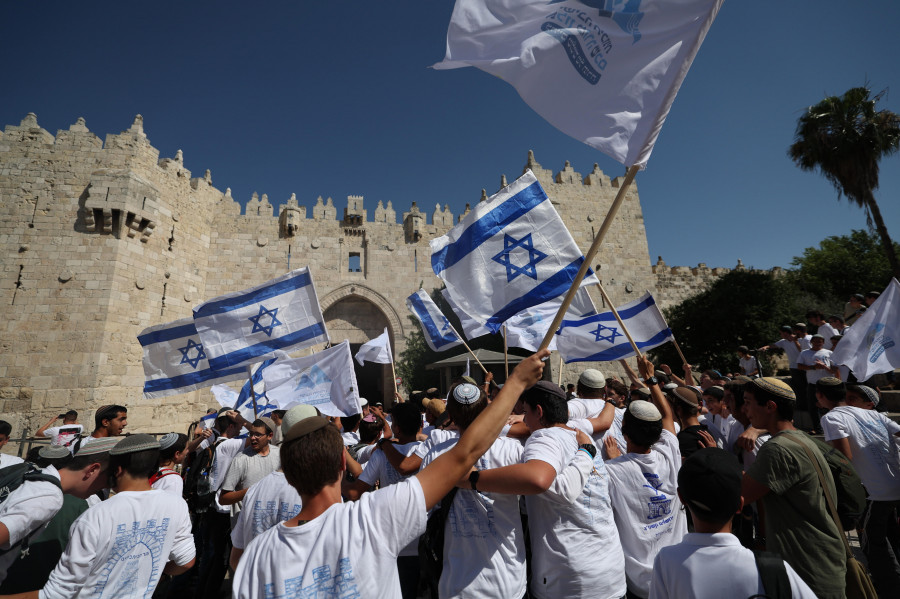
(741,506)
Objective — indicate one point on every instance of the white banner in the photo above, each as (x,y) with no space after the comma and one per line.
(872,345)
(510,253)
(325,380)
(251,325)
(603,71)
(376,350)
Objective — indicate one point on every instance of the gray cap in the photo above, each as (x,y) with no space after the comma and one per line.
(295,415)
(869,393)
(97,446)
(134,444)
(53,452)
(168,440)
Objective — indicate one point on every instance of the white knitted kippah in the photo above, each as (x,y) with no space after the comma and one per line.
(644,410)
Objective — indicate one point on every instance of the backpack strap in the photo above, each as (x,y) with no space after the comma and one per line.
(773,574)
(160,474)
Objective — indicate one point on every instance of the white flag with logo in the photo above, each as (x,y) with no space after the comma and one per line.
(872,345)
(176,361)
(251,325)
(603,71)
(325,380)
(510,253)
(376,350)
(438,333)
(599,338)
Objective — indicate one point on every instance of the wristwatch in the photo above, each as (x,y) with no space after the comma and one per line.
(473,478)
(652,380)
(589,447)
(612,403)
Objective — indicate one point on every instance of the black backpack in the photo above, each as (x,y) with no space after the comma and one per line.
(851,495)
(198,491)
(13,477)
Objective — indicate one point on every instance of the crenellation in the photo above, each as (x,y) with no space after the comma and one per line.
(103,239)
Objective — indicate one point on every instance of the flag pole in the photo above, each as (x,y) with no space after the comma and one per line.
(559,370)
(505,353)
(466,345)
(678,349)
(252,390)
(615,312)
(595,247)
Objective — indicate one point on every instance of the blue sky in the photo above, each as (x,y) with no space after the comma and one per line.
(335,99)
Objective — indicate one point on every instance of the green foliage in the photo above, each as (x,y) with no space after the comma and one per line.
(411,366)
(741,308)
(842,266)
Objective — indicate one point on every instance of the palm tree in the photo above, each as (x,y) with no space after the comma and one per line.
(845,137)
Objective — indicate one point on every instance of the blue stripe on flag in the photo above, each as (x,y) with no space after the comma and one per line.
(244,395)
(487,226)
(185,330)
(260,349)
(427,321)
(247,299)
(553,287)
(617,352)
(186,380)
(608,316)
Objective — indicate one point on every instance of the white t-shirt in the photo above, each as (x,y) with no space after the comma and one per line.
(379,469)
(120,546)
(873,443)
(748,365)
(585,408)
(435,438)
(790,350)
(808,357)
(484,548)
(713,566)
(65,435)
(575,547)
(648,513)
(26,512)
(827,331)
(348,551)
(225,452)
(268,502)
(350,438)
(170,483)
(7,459)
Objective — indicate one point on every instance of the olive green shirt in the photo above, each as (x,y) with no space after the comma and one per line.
(799,525)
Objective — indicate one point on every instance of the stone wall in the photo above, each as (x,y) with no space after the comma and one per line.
(101,239)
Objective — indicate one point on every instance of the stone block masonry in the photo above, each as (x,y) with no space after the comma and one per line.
(102,238)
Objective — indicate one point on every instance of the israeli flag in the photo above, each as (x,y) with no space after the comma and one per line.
(438,333)
(507,255)
(229,398)
(599,338)
(176,361)
(471,327)
(251,325)
(207,422)
(325,380)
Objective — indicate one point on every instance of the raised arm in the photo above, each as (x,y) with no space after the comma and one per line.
(631,373)
(656,395)
(440,476)
(40,431)
(675,378)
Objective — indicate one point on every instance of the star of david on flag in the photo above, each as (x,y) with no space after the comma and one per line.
(252,325)
(597,338)
(507,255)
(438,334)
(511,259)
(175,360)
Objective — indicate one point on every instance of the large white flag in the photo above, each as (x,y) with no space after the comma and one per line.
(603,71)
(251,325)
(376,350)
(598,338)
(176,361)
(325,380)
(510,253)
(438,334)
(871,347)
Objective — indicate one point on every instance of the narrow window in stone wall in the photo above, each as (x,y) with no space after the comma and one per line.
(353,263)
(415,261)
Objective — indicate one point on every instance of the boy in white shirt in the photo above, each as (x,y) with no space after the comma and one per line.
(709,485)
(64,435)
(350,549)
(869,439)
(171,453)
(643,484)
(123,545)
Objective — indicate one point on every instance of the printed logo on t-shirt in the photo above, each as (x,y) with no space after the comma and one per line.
(468,519)
(660,505)
(323,585)
(135,562)
(274,512)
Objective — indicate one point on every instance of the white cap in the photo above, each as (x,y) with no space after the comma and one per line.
(644,410)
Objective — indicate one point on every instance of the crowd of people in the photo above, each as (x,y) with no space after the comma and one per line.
(664,484)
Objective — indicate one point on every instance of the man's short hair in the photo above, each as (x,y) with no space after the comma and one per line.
(638,428)
(80,462)
(836,317)
(799,326)
(168,452)
(406,418)
(858,297)
(810,314)
(709,482)
(107,413)
(369,427)
(349,422)
(787,329)
(71,415)
(832,388)
(265,423)
(873,294)
(139,464)
(617,386)
(313,460)
(716,392)
(552,401)
(5,428)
